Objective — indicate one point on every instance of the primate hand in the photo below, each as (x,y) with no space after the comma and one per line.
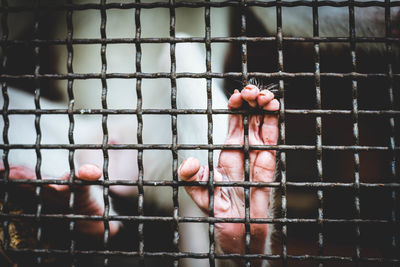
(56,197)
(229,201)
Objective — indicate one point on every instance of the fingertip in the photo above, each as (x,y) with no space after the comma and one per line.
(114,228)
(96,228)
(267,93)
(273,105)
(235,101)
(264,98)
(250,93)
(251,87)
(89,172)
(189,168)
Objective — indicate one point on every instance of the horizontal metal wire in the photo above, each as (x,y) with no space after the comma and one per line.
(244,184)
(197,147)
(170,40)
(181,255)
(308,112)
(179,4)
(189,219)
(178,75)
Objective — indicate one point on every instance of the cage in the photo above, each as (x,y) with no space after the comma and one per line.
(137,85)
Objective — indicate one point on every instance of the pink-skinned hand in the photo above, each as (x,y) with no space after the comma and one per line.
(56,197)
(229,201)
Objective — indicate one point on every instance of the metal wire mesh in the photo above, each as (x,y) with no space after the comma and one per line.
(324,219)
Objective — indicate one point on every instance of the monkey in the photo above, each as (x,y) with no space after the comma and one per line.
(228,201)
(300,93)
(155,93)
(89,95)
(121,130)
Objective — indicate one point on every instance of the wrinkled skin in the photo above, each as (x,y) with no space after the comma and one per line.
(229,201)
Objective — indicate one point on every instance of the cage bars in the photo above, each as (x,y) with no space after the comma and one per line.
(104,124)
(246,151)
(71,154)
(174,128)
(211,227)
(395,155)
(281,155)
(219,4)
(318,113)
(318,131)
(4,90)
(38,188)
(231,75)
(356,155)
(139,116)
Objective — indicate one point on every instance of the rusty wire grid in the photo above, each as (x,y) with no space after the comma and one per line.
(321,220)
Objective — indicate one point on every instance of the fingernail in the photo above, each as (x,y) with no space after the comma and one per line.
(249,87)
(180,167)
(267,93)
(236,91)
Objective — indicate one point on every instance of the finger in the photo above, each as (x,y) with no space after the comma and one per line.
(89,172)
(254,130)
(264,167)
(231,161)
(90,201)
(235,101)
(263,171)
(272,106)
(270,130)
(191,170)
(56,196)
(264,98)
(20,173)
(222,199)
(235,124)
(96,228)
(250,93)
(254,139)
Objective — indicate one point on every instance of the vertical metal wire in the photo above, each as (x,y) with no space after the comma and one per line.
(395,160)
(139,134)
(318,129)
(4,90)
(243,51)
(354,86)
(104,126)
(71,101)
(211,228)
(38,188)
(243,28)
(282,137)
(174,127)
